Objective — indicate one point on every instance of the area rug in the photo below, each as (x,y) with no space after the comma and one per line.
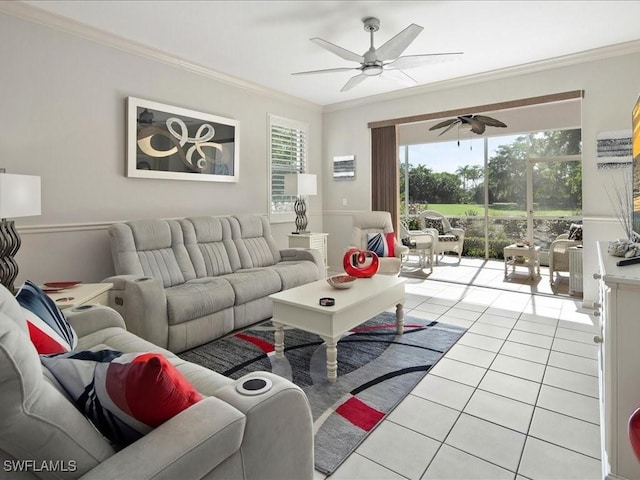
(376,369)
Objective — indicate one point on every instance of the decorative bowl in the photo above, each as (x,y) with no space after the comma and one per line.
(342,281)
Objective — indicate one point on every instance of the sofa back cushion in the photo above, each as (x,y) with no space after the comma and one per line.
(38,422)
(152,248)
(210,246)
(252,237)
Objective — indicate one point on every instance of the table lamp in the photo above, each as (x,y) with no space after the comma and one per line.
(19,197)
(300,184)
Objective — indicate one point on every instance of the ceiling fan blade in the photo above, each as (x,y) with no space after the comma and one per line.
(453,124)
(491,122)
(445,123)
(393,48)
(341,52)
(400,76)
(327,70)
(411,61)
(353,81)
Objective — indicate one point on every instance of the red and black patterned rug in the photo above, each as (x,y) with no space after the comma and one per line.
(376,369)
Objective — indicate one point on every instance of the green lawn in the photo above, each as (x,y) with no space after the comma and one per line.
(455,209)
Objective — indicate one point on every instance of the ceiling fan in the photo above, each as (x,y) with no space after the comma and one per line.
(477,123)
(385,59)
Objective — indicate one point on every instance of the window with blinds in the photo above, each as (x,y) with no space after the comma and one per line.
(287,154)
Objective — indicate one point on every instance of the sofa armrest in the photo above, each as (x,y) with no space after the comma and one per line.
(458,231)
(87,319)
(283,416)
(189,445)
(293,254)
(142,302)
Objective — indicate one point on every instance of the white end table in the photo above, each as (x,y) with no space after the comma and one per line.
(83,293)
(529,257)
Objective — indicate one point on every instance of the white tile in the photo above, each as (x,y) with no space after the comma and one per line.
(575,348)
(518,368)
(433,308)
(463,313)
(533,339)
(399,449)
(503,312)
(509,386)
(445,392)
(455,321)
(582,437)
(533,317)
(587,366)
(466,304)
(576,335)
(481,341)
(550,462)
(575,382)
(318,475)
(569,403)
(357,466)
(453,464)
(425,417)
(458,371)
(446,302)
(489,330)
(533,327)
(525,352)
(582,323)
(501,410)
(491,442)
(497,320)
(474,356)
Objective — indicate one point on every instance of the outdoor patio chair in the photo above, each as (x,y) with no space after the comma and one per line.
(559,251)
(447,239)
(420,243)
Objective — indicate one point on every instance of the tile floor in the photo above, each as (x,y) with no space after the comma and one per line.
(515,398)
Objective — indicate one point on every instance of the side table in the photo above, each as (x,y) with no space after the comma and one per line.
(529,257)
(314,241)
(83,293)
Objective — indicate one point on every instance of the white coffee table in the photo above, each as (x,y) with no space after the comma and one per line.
(299,307)
(515,255)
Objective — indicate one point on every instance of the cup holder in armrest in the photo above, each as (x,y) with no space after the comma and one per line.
(142,279)
(254,386)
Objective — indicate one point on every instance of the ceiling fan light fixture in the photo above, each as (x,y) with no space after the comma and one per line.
(372,70)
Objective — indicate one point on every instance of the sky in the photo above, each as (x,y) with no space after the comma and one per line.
(448,156)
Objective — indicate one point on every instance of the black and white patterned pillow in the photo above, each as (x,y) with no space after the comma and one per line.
(434,222)
(575,232)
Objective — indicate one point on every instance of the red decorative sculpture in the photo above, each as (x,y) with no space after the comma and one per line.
(361,263)
(634,432)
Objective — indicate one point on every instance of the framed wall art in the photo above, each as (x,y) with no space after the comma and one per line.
(344,167)
(167,142)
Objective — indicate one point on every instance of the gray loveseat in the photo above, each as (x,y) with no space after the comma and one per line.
(182,283)
(227,435)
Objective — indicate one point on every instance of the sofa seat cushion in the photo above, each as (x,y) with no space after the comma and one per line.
(198,298)
(295,273)
(253,283)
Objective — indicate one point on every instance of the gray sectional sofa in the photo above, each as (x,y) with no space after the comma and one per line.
(227,435)
(182,283)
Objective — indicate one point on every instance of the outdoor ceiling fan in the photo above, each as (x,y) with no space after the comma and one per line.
(385,59)
(477,123)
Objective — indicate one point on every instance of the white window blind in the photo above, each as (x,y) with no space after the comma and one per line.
(287,154)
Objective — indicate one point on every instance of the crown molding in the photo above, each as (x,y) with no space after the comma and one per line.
(528,68)
(73,27)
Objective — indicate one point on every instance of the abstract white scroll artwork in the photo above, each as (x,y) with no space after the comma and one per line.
(166,142)
(614,150)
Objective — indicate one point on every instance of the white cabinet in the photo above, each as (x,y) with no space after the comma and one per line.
(619,362)
(315,241)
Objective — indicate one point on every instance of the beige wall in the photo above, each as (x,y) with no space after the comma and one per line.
(611,87)
(63,118)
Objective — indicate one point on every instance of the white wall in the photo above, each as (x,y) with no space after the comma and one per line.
(63,117)
(611,87)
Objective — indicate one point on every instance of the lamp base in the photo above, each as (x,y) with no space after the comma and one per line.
(300,207)
(10,241)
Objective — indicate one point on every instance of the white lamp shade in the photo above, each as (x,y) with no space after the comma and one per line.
(300,184)
(19,195)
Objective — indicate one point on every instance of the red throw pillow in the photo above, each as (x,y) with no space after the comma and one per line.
(125,395)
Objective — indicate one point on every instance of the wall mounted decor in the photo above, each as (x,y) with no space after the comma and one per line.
(344,167)
(166,142)
(614,149)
